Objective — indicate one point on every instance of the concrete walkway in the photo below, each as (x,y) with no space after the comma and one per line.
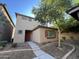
(39,53)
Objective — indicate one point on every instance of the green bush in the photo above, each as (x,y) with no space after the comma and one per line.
(72,38)
(14,45)
(63,39)
(3,43)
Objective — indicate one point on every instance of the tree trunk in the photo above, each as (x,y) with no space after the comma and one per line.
(59,38)
(59,34)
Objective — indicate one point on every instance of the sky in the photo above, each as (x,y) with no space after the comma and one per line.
(20,6)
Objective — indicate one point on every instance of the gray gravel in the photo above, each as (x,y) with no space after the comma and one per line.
(18,55)
(75,54)
(53,50)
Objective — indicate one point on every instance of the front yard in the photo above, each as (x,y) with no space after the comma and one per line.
(13,46)
(28,54)
(53,50)
(17,51)
(50,48)
(75,54)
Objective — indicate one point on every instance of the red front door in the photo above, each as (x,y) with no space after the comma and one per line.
(27,36)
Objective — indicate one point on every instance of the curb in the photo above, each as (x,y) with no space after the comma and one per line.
(67,54)
(16,50)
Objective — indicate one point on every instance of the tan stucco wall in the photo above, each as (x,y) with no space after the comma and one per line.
(23,24)
(69,35)
(43,38)
(39,36)
(36,35)
(19,38)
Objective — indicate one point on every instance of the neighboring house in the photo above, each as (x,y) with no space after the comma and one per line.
(28,29)
(6,24)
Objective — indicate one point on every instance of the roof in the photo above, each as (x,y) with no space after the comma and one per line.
(3,5)
(71,9)
(74,12)
(40,26)
(23,15)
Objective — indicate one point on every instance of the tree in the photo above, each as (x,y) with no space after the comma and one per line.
(52,11)
(71,25)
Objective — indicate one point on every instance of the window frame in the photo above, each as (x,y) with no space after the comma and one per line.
(20,31)
(47,34)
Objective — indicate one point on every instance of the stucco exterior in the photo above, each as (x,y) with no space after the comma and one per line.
(6,24)
(23,23)
(39,36)
(36,35)
(45,39)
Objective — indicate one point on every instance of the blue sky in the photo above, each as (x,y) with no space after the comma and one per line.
(20,6)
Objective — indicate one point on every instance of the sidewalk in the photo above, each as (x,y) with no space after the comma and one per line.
(39,53)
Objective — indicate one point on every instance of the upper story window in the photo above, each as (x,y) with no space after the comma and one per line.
(0,13)
(29,19)
(3,19)
(26,18)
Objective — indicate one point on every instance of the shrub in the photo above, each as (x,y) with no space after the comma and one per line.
(63,38)
(14,45)
(3,43)
(72,38)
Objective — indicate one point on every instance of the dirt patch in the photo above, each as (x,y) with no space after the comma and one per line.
(54,51)
(18,46)
(27,54)
(18,55)
(75,54)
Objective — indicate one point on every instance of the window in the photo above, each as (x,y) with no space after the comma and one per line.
(20,32)
(29,19)
(50,34)
(26,18)
(0,13)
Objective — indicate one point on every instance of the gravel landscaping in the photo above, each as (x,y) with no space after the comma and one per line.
(53,50)
(18,55)
(16,46)
(75,54)
(26,54)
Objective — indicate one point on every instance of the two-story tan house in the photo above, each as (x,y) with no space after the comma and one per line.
(28,29)
(6,24)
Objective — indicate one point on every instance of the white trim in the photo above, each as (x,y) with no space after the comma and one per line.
(15,50)
(74,10)
(70,52)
